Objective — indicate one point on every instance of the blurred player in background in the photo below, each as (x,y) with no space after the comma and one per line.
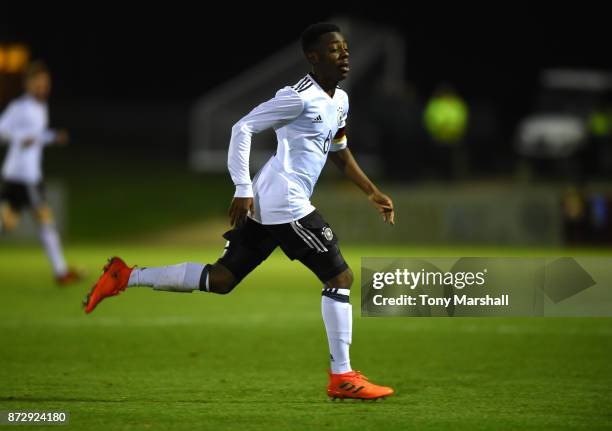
(275,210)
(24,128)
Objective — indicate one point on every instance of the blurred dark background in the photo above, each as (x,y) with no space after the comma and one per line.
(481,101)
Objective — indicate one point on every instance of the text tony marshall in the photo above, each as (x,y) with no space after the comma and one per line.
(487,300)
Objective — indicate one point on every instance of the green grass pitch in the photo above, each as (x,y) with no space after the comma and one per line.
(256,359)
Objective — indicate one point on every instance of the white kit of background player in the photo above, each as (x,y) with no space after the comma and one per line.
(24,128)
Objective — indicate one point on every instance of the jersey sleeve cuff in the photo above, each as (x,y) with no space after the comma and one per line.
(337,146)
(244,191)
(49,136)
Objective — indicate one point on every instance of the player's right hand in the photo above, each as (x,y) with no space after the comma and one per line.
(239,209)
(384,205)
(62,137)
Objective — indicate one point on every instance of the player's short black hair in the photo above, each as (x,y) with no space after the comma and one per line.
(311,35)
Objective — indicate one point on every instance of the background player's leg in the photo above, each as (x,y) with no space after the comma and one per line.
(12,199)
(51,240)
(9,219)
(338,318)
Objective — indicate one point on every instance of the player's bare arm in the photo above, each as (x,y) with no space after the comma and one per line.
(61,138)
(348,165)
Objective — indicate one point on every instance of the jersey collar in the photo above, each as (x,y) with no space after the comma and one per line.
(309,75)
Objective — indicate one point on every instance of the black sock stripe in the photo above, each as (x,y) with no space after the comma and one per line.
(204,278)
(335,296)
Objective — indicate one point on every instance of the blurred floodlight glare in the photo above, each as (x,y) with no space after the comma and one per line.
(577,79)
(14,58)
(551,135)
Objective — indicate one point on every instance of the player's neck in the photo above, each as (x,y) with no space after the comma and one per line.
(33,96)
(328,86)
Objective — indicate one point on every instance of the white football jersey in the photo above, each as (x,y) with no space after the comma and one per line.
(25,118)
(308,125)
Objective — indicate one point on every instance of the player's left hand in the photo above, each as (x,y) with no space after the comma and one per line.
(384,205)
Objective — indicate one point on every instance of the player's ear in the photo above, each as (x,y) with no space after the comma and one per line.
(312,57)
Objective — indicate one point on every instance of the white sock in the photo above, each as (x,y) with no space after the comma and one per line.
(184,277)
(338,318)
(53,248)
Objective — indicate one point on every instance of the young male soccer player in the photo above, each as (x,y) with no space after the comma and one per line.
(274,209)
(23,126)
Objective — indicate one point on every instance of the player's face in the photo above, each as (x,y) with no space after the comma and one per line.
(333,56)
(39,86)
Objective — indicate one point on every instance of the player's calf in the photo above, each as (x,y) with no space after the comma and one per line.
(182,277)
(185,277)
(338,318)
(52,244)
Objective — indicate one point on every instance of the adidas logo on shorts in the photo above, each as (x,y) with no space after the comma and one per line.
(318,119)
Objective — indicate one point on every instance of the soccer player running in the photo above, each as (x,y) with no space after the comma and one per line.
(23,126)
(274,209)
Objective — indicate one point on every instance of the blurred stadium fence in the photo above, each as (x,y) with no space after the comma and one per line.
(480,214)
(213,115)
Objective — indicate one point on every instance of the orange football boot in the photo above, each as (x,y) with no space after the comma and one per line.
(112,282)
(355,385)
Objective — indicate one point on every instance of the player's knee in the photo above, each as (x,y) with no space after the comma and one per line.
(223,286)
(10,219)
(221,280)
(44,215)
(9,224)
(344,280)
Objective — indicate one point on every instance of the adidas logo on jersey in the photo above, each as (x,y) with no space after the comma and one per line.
(318,119)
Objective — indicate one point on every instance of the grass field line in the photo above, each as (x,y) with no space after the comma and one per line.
(411,325)
(160,321)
